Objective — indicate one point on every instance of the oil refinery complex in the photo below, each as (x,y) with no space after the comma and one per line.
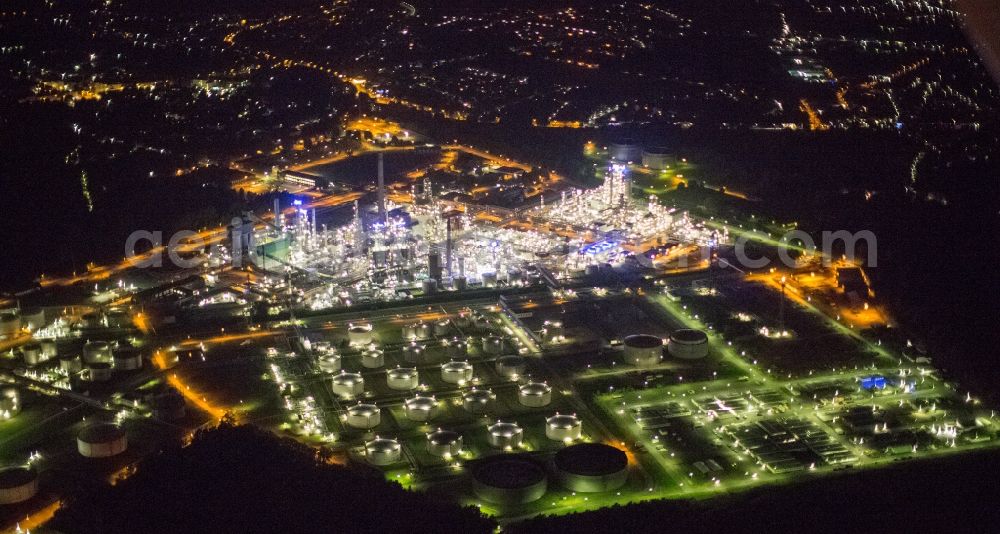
(556,350)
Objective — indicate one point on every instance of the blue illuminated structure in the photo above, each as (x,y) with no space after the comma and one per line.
(873,382)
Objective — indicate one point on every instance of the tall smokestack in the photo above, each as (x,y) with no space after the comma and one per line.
(277,212)
(381,189)
(447,253)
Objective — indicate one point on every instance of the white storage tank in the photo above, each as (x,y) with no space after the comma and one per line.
(70,364)
(442,328)
(402,378)
(359,334)
(444,443)
(348,384)
(420,408)
(493,345)
(33,354)
(364,416)
(563,428)
(383,451)
(97,351)
(127,359)
(372,359)
(625,151)
(101,440)
(643,350)
(10,323)
(535,395)
(413,352)
(99,371)
(658,158)
(505,435)
(478,401)
(511,367)
(329,363)
(456,372)
(33,318)
(410,332)
(10,402)
(17,484)
(688,344)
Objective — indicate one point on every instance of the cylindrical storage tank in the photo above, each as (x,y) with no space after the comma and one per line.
(169,406)
(32,354)
(464,319)
(534,395)
(359,334)
(460,283)
(420,408)
(70,364)
(17,484)
(423,330)
(688,344)
(508,479)
(10,402)
(127,359)
(373,359)
(33,318)
(490,279)
(101,440)
(625,152)
(99,371)
(10,323)
(552,331)
(49,349)
(658,158)
(364,416)
(429,285)
(442,327)
(563,428)
(383,451)
(97,351)
(329,363)
(493,345)
(444,443)
(402,378)
(413,352)
(591,467)
(456,348)
(505,435)
(92,320)
(348,384)
(410,331)
(478,401)
(456,372)
(511,367)
(643,350)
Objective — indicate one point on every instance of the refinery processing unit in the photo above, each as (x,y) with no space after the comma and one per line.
(576,349)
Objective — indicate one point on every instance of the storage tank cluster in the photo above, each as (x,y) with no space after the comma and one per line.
(359,334)
(416,331)
(10,402)
(348,384)
(505,436)
(38,352)
(643,350)
(383,451)
(421,408)
(535,394)
(564,428)
(444,443)
(688,344)
(456,372)
(402,378)
(101,440)
(363,416)
(17,484)
(478,401)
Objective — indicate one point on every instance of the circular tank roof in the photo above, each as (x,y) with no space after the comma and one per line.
(505,429)
(382,445)
(478,395)
(689,336)
(456,366)
(363,410)
(402,372)
(101,433)
(535,388)
(443,437)
(643,341)
(508,471)
(591,459)
(421,402)
(12,477)
(563,421)
(347,378)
